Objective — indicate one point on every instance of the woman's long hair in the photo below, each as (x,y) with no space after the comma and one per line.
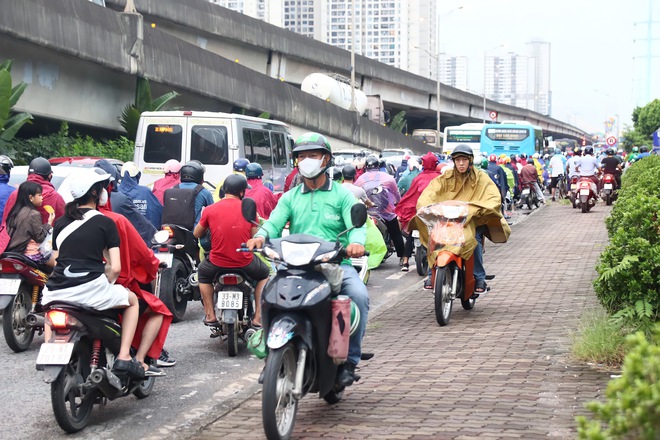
(25,190)
(92,195)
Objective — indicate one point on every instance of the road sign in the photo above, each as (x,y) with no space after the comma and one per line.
(611,141)
(493,115)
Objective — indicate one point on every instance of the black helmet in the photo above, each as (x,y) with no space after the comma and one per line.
(40,166)
(192,172)
(336,173)
(578,151)
(588,150)
(610,152)
(382,163)
(254,171)
(462,150)
(311,141)
(643,149)
(372,163)
(235,184)
(348,172)
(241,164)
(6,163)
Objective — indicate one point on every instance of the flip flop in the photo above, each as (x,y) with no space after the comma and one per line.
(210,323)
(132,368)
(480,287)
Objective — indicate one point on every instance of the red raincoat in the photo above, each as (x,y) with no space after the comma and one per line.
(139,265)
(264,197)
(51,197)
(406,209)
(166,182)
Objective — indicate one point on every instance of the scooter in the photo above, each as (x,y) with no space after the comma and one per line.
(21,283)
(528,195)
(452,276)
(421,260)
(610,188)
(77,362)
(572,194)
(297,319)
(587,194)
(178,280)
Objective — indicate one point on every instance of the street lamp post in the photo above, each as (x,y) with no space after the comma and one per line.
(436,56)
(353,39)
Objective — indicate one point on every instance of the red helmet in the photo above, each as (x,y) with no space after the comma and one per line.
(492,158)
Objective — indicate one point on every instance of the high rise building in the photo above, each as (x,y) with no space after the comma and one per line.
(520,80)
(400,33)
(454,71)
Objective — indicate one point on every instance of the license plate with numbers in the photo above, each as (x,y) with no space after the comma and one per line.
(230,300)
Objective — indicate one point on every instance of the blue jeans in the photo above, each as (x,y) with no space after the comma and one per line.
(479,271)
(352,286)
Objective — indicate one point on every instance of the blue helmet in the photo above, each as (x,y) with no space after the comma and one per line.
(241,164)
(254,171)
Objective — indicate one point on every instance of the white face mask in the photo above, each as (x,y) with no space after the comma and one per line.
(103,198)
(310,168)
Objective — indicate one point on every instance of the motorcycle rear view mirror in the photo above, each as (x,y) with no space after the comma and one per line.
(249,210)
(358,215)
(161,237)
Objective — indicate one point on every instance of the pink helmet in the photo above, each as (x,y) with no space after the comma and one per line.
(172,166)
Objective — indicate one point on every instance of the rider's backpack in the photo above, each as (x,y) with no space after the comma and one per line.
(179,206)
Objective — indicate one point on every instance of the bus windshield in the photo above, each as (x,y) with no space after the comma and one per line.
(511,139)
(469,134)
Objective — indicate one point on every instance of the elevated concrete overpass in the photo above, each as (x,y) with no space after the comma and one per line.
(81,61)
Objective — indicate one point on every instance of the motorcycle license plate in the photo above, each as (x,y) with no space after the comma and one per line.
(607,186)
(525,191)
(9,286)
(230,300)
(415,233)
(584,192)
(55,353)
(165,257)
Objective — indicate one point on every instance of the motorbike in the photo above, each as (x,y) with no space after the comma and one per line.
(178,280)
(297,319)
(77,362)
(452,275)
(361,266)
(21,283)
(528,195)
(587,194)
(610,188)
(234,297)
(421,260)
(572,194)
(377,195)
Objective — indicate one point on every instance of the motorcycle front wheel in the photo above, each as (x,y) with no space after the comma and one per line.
(278,405)
(71,408)
(421,261)
(18,333)
(442,294)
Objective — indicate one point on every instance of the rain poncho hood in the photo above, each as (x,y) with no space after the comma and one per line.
(146,203)
(475,188)
(385,199)
(429,161)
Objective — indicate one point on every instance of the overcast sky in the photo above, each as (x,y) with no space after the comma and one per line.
(597,70)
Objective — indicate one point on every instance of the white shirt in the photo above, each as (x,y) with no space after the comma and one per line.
(588,165)
(358,192)
(572,164)
(556,166)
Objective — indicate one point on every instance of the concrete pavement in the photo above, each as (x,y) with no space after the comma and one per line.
(501,370)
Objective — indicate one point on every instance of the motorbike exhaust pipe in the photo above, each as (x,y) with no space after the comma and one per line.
(34,320)
(100,380)
(249,333)
(193,280)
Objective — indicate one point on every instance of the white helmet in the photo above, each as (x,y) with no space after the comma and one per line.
(131,168)
(82,181)
(171,166)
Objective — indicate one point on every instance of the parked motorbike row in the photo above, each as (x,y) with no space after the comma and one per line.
(584,194)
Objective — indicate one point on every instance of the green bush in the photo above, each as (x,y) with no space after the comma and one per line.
(632,407)
(63,144)
(599,340)
(628,283)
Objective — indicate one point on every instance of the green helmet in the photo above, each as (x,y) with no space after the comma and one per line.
(635,150)
(484,164)
(311,141)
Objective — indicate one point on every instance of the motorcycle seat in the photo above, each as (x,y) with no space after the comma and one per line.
(228,270)
(110,313)
(20,257)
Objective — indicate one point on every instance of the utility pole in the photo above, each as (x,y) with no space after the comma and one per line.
(353,40)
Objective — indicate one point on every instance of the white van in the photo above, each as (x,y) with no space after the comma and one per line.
(215,139)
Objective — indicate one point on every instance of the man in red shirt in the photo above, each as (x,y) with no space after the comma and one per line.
(228,231)
(40,172)
(263,197)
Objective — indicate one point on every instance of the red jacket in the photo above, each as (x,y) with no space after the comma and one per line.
(166,182)
(139,265)
(51,197)
(263,196)
(406,209)
(289,179)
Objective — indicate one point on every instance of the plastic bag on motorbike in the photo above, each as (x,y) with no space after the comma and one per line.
(445,222)
(257,344)
(333,273)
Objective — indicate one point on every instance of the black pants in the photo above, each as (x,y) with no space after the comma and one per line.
(395,235)
(410,244)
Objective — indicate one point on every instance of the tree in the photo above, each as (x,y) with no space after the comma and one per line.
(10,122)
(130,116)
(398,121)
(646,120)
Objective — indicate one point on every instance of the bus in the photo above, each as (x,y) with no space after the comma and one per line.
(428,136)
(517,138)
(566,145)
(468,134)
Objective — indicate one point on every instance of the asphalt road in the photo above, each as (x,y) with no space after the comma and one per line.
(205,381)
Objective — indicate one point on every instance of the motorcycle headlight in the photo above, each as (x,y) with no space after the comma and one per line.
(324,258)
(271,253)
(314,292)
(298,254)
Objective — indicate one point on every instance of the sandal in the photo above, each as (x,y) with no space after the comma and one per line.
(154,372)
(428,285)
(255,326)
(480,287)
(214,323)
(132,368)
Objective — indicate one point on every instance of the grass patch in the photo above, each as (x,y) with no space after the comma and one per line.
(565,202)
(599,340)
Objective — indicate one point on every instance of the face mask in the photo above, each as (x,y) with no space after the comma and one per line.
(103,199)
(310,168)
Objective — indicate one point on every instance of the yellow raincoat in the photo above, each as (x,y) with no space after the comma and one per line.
(484,199)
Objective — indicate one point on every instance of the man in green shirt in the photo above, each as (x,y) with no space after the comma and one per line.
(322,208)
